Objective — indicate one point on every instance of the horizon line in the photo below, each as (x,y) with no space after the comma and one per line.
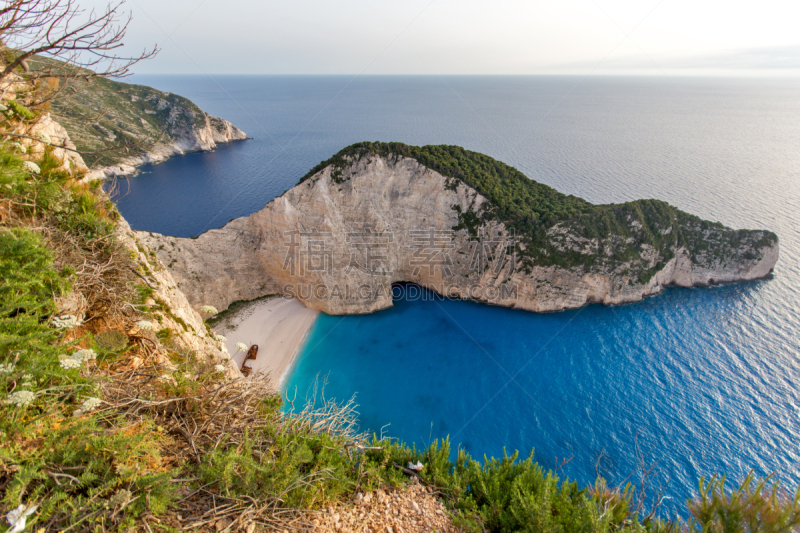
(683,73)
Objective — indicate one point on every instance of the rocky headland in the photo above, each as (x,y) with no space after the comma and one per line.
(144,124)
(461,224)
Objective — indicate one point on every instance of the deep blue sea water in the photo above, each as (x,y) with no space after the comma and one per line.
(703,380)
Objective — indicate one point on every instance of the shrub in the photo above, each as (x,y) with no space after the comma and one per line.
(112,340)
(752,507)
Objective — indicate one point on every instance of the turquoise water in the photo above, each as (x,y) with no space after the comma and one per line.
(685,376)
(701,380)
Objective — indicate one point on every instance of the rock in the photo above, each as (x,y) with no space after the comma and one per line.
(395,204)
(174,123)
(195,139)
(183,320)
(198,139)
(51,132)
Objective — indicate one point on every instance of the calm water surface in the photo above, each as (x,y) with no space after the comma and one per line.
(703,380)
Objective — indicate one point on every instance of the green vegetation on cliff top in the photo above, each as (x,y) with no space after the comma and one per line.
(100,113)
(588,237)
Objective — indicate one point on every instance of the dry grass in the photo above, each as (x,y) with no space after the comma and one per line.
(232,415)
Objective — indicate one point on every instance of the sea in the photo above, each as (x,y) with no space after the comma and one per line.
(686,384)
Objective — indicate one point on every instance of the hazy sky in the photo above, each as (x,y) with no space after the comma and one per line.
(466,36)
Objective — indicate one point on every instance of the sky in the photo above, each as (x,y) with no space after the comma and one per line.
(466,36)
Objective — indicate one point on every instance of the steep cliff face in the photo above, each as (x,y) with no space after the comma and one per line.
(204,138)
(342,237)
(153,124)
(175,311)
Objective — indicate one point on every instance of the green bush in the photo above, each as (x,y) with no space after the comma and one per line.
(112,340)
(74,207)
(753,506)
(512,495)
(20,110)
(73,466)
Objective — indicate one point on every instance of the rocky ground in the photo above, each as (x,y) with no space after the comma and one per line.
(412,510)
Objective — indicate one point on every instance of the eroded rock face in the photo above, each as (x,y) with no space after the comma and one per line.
(53,133)
(185,139)
(339,240)
(178,315)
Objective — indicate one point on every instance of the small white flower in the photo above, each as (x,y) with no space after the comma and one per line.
(241,346)
(69,363)
(219,338)
(90,404)
(6,368)
(20,398)
(66,321)
(77,359)
(30,166)
(219,368)
(209,310)
(144,324)
(45,137)
(19,147)
(84,355)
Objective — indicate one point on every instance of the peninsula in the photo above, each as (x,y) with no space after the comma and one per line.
(145,125)
(459,223)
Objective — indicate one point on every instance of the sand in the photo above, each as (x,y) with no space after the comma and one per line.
(277,325)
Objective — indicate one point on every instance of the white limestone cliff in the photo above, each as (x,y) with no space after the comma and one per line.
(184,140)
(178,315)
(396,204)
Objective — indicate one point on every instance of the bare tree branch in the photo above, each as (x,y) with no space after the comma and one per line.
(84,44)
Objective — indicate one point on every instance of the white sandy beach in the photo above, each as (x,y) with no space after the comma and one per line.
(278,326)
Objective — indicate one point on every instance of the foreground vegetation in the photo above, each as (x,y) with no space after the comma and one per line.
(109,422)
(604,237)
(100,444)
